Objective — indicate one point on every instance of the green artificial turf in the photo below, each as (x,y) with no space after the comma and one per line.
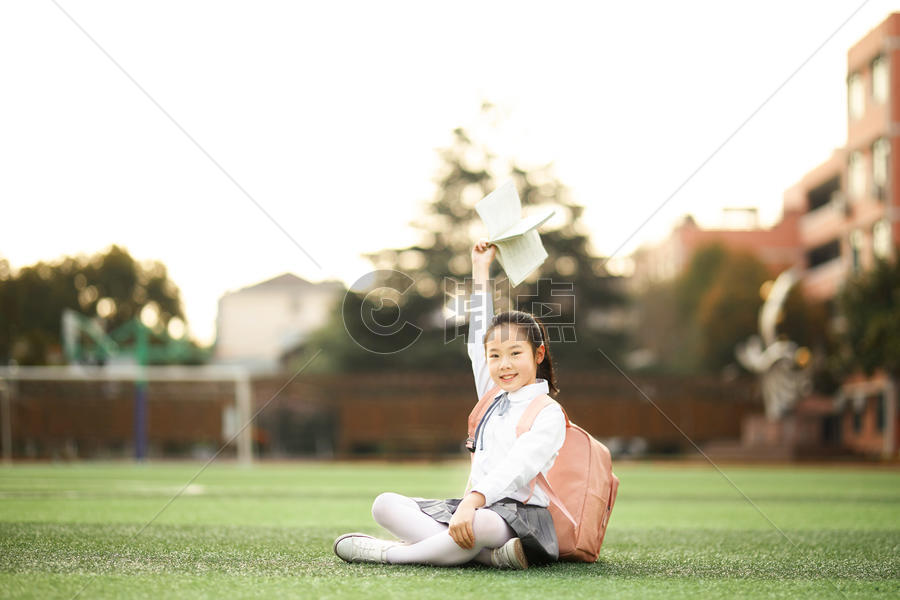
(677,531)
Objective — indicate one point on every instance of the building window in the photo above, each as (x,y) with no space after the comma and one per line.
(879,79)
(823,254)
(881,239)
(881,151)
(878,399)
(856,175)
(823,194)
(856,243)
(857,421)
(856,96)
(831,430)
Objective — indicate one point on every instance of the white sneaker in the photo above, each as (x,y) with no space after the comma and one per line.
(359,547)
(510,555)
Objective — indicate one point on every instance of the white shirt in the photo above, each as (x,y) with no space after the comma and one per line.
(504,465)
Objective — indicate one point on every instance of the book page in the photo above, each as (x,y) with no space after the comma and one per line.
(531,222)
(521,255)
(500,210)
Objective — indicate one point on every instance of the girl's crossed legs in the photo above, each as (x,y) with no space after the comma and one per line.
(428,541)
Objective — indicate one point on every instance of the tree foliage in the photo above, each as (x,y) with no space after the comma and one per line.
(693,323)
(112,282)
(870,306)
(418,283)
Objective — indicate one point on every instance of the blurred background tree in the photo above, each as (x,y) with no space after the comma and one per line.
(422,284)
(691,324)
(110,286)
(869,306)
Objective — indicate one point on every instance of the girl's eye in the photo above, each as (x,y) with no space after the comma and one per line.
(516,353)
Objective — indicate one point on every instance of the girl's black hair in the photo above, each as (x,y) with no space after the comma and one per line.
(536,334)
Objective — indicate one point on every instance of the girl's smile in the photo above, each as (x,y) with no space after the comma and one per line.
(509,383)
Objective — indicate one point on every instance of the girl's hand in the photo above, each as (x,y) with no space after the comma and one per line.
(461,526)
(483,253)
(461,523)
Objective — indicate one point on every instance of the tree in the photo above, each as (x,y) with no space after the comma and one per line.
(728,312)
(693,323)
(110,285)
(415,281)
(869,305)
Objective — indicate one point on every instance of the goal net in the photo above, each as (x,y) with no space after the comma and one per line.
(117,411)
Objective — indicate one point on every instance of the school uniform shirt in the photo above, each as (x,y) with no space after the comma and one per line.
(504,465)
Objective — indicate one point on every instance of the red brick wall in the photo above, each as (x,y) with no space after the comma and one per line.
(427,413)
(97,418)
(388,413)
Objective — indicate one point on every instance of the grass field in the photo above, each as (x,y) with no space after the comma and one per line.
(676,532)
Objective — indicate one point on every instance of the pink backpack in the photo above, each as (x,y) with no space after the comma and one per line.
(582,487)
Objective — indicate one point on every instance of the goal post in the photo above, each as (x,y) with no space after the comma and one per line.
(239,377)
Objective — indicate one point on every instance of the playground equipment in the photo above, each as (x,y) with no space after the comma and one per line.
(85,342)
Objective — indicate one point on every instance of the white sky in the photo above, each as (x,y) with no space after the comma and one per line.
(329,114)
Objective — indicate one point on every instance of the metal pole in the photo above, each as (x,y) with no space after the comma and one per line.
(140,393)
(889,398)
(7,421)
(140,420)
(243,400)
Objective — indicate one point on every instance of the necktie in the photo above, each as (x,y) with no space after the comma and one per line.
(503,405)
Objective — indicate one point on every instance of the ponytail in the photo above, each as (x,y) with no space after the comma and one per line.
(545,367)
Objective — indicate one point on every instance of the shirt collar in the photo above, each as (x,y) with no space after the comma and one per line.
(528,392)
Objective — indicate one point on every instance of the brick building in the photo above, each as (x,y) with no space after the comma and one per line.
(849,207)
(778,246)
(837,219)
(848,202)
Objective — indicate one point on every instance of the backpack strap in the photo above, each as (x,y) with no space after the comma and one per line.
(554,499)
(531,413)
(475,417)
(477,413)
(525,424)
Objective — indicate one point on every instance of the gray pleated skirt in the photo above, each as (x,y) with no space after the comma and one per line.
(532,524)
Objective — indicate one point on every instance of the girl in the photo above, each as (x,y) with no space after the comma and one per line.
(499,521)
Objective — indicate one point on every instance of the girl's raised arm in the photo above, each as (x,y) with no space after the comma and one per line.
(481,311)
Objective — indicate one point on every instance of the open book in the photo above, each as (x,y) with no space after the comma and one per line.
(516,238)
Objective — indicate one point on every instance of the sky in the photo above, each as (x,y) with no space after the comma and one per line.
(235,141)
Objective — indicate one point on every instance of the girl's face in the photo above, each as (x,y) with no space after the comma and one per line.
(511,358)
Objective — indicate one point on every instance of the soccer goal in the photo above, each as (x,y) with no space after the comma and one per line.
(118,409)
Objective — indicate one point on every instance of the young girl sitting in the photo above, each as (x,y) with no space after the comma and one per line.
(500,521)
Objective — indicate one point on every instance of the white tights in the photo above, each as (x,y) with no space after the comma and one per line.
(428,541)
